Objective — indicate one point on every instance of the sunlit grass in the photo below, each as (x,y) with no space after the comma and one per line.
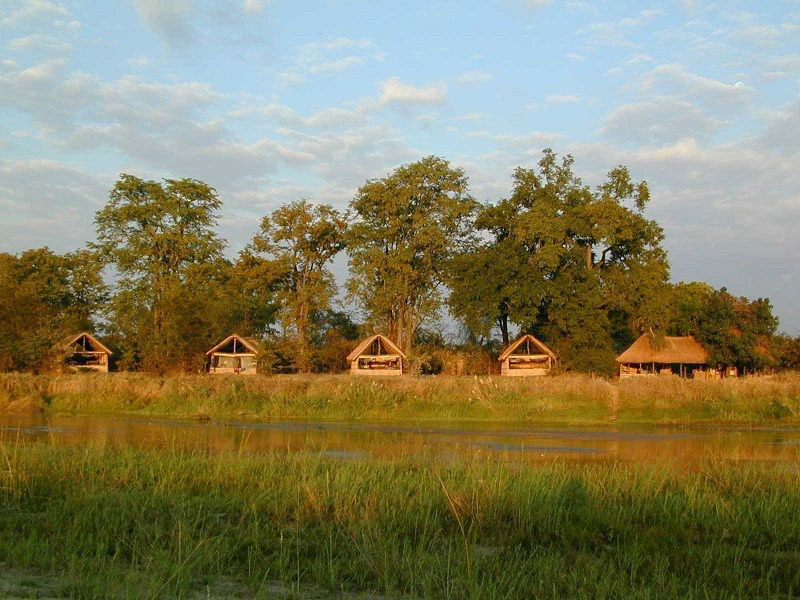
(147,524)
(575,399)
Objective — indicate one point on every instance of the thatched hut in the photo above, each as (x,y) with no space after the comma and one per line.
(84,351)
(234,354)
(527,357)
(673,355)
(378,356)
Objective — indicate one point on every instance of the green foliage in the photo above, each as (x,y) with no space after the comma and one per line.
(45,297)
(408,225)
(788,349)
(296,243)
(579,267)
(736,331)
(170,303)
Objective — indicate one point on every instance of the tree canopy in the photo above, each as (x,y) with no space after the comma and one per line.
(579,267)
(582,268)
(297,242)
(407,227)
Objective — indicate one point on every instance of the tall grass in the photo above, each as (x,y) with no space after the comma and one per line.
(564,398)
(139,524)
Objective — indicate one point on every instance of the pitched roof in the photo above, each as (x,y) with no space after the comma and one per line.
(359,350)
(527,337)
(95,342)
(672,350)
(250,343)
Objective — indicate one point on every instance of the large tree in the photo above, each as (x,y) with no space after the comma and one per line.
(161,241)
(581,267)
(408,226)
(736,331)
(45,297)
(297,242)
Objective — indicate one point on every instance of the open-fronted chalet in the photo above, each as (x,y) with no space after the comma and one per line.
(84,351)
(671,355)
(376,355)
(234,354)
(527,356)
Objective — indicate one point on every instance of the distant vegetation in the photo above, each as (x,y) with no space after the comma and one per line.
(583,269)
(565,399)
(86,522)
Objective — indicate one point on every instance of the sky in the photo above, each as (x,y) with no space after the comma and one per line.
(271,101)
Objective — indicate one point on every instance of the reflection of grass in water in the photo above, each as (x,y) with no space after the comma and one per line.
(145,524)
(565,399)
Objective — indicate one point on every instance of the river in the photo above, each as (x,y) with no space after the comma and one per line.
(353,440)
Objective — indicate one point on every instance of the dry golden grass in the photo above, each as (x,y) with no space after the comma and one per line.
(569,398)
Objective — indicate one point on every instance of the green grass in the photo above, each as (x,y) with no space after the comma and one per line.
(569,399)
(129,523)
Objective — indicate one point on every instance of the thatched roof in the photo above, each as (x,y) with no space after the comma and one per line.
(250,343)
(527,338)
(359,350)
(672,350)
(98,345)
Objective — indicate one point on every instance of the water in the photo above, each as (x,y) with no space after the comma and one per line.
(354,440)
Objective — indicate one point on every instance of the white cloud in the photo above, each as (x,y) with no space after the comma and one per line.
(615,33)
(534,141)
(291,78)
(470,117)
(324,57)
(638,59)
(169,20)
(138,62)
(718,95)
(253,6)
(534,4)
(661,120)
(574,56)
(474,78)
(47,202)
(563,99)
(396,91)
(38,41)
(28,12)
(336,66)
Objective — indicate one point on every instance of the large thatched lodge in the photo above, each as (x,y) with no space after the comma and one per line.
(84,351)
(235,354)
(682,356)
(377,356)
(527,356)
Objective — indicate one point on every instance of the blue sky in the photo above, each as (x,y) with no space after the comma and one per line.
(271,101)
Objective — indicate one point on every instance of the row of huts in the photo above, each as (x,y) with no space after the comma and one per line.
(377,355)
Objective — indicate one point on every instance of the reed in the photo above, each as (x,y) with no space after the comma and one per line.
(570,398)
(103,522)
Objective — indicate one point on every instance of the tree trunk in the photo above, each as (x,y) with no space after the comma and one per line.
(303,350)
(503,322)
(410,328)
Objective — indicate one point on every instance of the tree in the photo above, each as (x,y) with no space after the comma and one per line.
(581,268)
(736,331)
(161,241)
(407,228)
(44,297)
(298,241)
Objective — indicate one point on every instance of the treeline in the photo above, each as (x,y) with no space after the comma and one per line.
(582,268)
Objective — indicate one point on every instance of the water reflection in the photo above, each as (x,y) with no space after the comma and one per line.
(349,440)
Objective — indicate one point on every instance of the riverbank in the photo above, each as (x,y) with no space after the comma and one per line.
(566,399)
(129,523)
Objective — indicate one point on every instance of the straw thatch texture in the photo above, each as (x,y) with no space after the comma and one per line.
(672,350)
